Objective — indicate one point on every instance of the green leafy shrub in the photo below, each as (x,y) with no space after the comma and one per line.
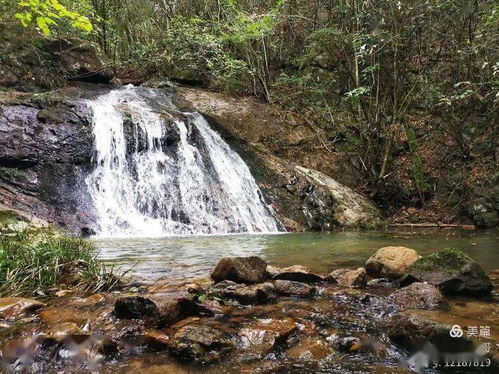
(44,14)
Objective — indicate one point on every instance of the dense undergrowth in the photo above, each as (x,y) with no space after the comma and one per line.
(34,261)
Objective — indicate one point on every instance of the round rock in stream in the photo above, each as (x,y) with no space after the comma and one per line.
(391,262)
(248,270)
(349,278)
(418,295)
(292,288)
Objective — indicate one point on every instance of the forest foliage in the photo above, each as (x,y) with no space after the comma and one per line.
(366,74)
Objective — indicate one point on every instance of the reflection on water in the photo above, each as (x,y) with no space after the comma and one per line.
(195,256)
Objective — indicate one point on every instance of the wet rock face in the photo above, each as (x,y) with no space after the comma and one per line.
(391,262)
(349,278)
(31,134)
(418,296)
(135,307)
(304,198)
(12,308)
(413,332)
(312,348)
(176,309)
(451,271)
(200,343)
(46,147)
(248,270)
(297,273)
(246,295)
(266,334)
(295,289)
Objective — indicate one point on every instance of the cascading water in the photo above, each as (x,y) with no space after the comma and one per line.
(159,174)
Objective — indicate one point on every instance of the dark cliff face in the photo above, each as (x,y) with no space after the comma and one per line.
(46,147)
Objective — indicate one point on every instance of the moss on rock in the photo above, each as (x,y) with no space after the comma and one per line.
(452,271)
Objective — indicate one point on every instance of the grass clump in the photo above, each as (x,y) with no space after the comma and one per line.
(35,260)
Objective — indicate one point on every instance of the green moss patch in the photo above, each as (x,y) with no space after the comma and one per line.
(449,261)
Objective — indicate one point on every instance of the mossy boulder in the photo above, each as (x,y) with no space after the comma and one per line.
(452,271)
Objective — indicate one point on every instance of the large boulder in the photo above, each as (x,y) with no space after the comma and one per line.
(52,63)
(391,262)
(452,271)
(79,60)
(418,296)
(247,270)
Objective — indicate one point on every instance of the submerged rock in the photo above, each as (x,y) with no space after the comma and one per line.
(200,343)
(266,334)
(349,278)
(65,330)
(344,344)
(452,271)
(391,262)
(312,348)
(156,339)
(16,307)
(292,288)
(252,294)
(418,296)
(91,300)
(413,332)
(135,307)
(241,270)
(297,273)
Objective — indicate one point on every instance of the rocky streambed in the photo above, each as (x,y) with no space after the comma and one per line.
(251,317)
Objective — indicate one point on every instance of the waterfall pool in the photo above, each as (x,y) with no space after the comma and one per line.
(195,256)
(177,260)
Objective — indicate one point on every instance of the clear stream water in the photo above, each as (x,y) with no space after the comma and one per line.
(195,256)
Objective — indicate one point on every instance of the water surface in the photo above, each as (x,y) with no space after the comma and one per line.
(195,256)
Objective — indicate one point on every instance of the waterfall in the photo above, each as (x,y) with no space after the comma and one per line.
(161,172)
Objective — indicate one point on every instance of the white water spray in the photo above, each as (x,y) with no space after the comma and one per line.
(158,176)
